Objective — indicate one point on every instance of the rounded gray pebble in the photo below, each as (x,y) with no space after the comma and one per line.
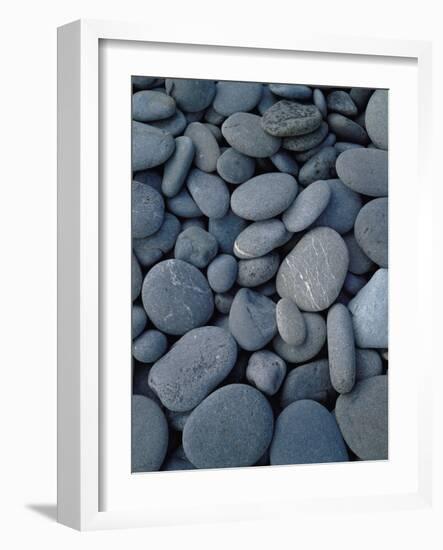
(309,381)
(139,320)
(307,207)
(136,278)
(342,209)
(149,177)
(285,162)
(290,322)
(151,249)
(291,91)
(319,167)
(234,97)
(329,141)
(244,132)
(313,343)
(177,166)
(359,263)
(267,100)
(150,346)
(222,273)
(347,130)
(319,100)
(194,222)
(289,118)
(368,363)
(266,371)
(183,205)
(209,192)
(226,230)
(255,272)
(148,210)
(371,230)
(191,95)
(213,117)
(259,238)
(207,150)
(341,348)
(376,118)
(150,105)
(150,146)
(234,167)
(305,142)
(174,125)
(341,102)
(196,246)
(149,435)
(364,171)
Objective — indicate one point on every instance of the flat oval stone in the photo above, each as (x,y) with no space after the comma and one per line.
(226,229)
(176,296)
(151,249)
(259,238)
(364,171)
(376,118)
(177,166)
(234,97)
(139,320)
(193,367)
(136,278)
(307,433)
(232,427)
(342,209)
(222,273)
(174,125)
(306,141)
(291,91)
(191,95)
(150,346)
(148,210)
(371,230)
(289,118)
(362,416)
(244,132)
(266,371)
(313,343)
(347,130)
(252,319)
(319,167)
(310,381)
(312,275)
(209,192)
(341,348)
(150,105)
(370,312)
(264,196)
(285,162)
(149,435)
(183,205)
(196,246)
(290,322)
(307,207)
(319,100)
(255,272)
(234,167)
(207,150)
(150,146)
(367,363)
(341,102)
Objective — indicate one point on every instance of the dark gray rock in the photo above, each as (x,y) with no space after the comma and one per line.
(371,230)
(341,102)
(196,246)
(149,177)
(151,249)
(362,416)
(307,433)
(230,428)
(150,146)
(191,95)
(222,273)
(223,302)
(289,118)
(290,322)
(226,230)
(150,105)
(143,82)
(193,367)
(309,381)
(148,210)
(305,142)
(341,348)
(177,420)
(209,192)
(234,167)
(285,162)
(149,435)
(255,272)
(136,278)
(266,371)
(360,97)
(139,320)
(207,150)
(368,363)
(313,343)
(150,346)
(196,116)
(291,91)
(319,167)
(319,100)
(177,166)
(140,386)
(364,171)
(354,283)
(183,205)
(376,118)
(359,263)
(243,132)
(259,238)
(234,97)
(342,209)
(221,321)
(213,117)
(347,130)
(307,207)
(174,125)
(176,296)
(174,463)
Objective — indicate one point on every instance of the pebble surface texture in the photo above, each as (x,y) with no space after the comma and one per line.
(259,274)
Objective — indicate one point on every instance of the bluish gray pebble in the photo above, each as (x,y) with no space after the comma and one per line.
(342,209)
(353,283)
(368,363)
(305,142)
(291,91)
(266,371)
(143,82)
(191,95)
(309,381)
(307,433)
(232,427)
(193,367)
(175,124)
(222,273)
(196,246)
(342,146)
(149,435)
(183,205)
(149,346)
(148,210)
(234,167)
(177,166)
(319,167)
(176,296)
(223,302)
(289,118)
(341,102)
(252,319)
(149,177)
(319,100)
(347,130)
(285,162)
(213,117)
(259,238)
(207,150)
(150,146)
(307,207)
(267,100)
(215,131)
(226,229)
(150,105)
(290,322)
(341,348)
(313,343)
(255,272)
(359,263)
(371,230)
(209,192)
(140,384)
(151,249)
(136,278)
(244,132)
(329,141)
(364,171)
(234,97)
(360,96)
(139,320)
(376,118)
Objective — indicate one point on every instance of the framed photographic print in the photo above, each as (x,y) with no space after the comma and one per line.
(238,231)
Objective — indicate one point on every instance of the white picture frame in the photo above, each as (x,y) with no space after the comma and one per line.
(95,487)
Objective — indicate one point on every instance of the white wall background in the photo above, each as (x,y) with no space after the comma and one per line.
(28,263)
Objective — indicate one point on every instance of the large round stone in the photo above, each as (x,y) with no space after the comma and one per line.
(371,230)
(149,435)
(289,118)
(376,118)
(207,150)
(243,132)
(364,171)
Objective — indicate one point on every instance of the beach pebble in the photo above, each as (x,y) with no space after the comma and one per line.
(207,150)
(266,371)
(367,363)
(290,322)
(191,95)
(150,146)
(319,100)
(139,320)
(194,222)
(233,97)
(376,118)
(212,117)
(371,230)
(342,208)
(359,263)
(150,346)
(149,435)
(305,142)
(364,171)
(341,348)
(222,273)
(150,105)
(174,125)
(151,249)
(177,166)
(289,118)
(307,207)
(136,278)
(183,205)
(255,272)
(285,162)
(319,167)
(226,230)
(244,132)
(196,246)
(234,167)
(313,343)
(309,381)
(209,192)
(291,91)
(304,156)
(259,238)
(341,102)
(147,211)
(347,130)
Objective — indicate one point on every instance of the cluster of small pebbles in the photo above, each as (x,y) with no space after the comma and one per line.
(259,274)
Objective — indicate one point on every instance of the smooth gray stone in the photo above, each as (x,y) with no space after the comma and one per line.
(360,97)
(342,209)
(252,319)
(213,117)
(341,102)
(307,433)
(329,141)
(371,230)
(151,249)
(291,91)
(319,167)
(313,343)
(234,167)
(319,100)
(268,99)
(266,371)
(148,105)
(368,363)
(191,95)
(255,272)
(149,435)
(341,348)
(305,142)
(290,322)
(177,166)
(285,162)
(139,320)
(289,118)
(207,150)
(359,263)
(313,273)
(143,82)
(196,246)
(342,146)
(364,171)
(347,130)
(148,209)
(362,416)
(177,420)
(307,207)
(244,132)
(234,97)
(176,296)
(222,273)
(209,192)
(353,283)
(193,367)
(149,177)
(232,427)
(136,278)
(195,222)
(264,196)
(226,229)
(376,118)
(370,312)
(150,146)
(175,124)
(259,238)
(309,381)
(149,346)
(223,302)
(183,205)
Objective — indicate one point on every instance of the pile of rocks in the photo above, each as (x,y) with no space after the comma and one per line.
(259,274)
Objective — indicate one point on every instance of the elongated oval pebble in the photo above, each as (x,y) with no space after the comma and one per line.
(376,118)
(307,207)
(191,95)
(147,210)
(289,118)
(347,130)
(342,208)
(364,171)
(290,322)
(312,344)
(209,193)
(207,150)
(151,249)
(149,435)
(177,166)
(341,102)
(222,273)
(341,348)
(234,97)
(259,238)
(150,146)
(243,132)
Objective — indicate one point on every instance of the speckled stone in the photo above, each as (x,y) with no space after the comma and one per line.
(342,208)
(291,91)
(290,322)
(196,246)
(307,207)
(191,95)
(289,118)
(368,363)
(347,130)
(376,118)
(364,171)
(183,205)
(151,249)
(209,192)
(139,320)
(319,100)
(226,230)
(177,166)
(148,210)
(313,343)
(371,231)
(150,105)
(305,142)
(150,346)
(234,167)
(193,367)
(319,167)
(266,371)
(230,428)
(149,435)
(341,102)
(207,150)
(136,278)
(244,132)
(234,97)
(174,125)
(222,273)
(259,238)
(309,381)
(285,162)
(150,146)
(255,272)
(341,348)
